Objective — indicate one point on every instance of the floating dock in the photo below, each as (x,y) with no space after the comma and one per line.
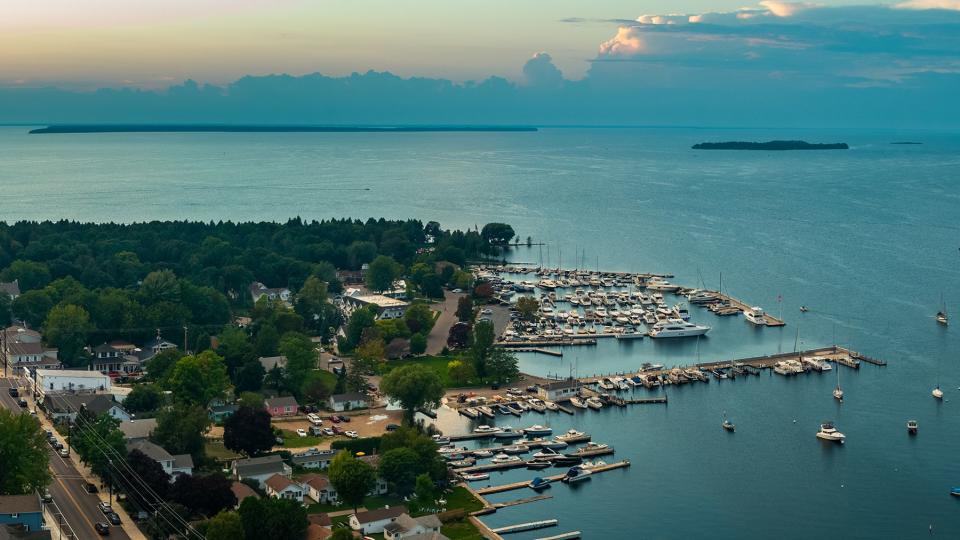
(529,526)
(741,306)
(553,478)
(572,535)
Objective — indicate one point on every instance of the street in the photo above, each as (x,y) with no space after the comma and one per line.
(67,487)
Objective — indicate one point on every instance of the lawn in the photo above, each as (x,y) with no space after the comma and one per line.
(369,503)
(461,530)
(292,440)
(217,451)
(436,363)
(460,498)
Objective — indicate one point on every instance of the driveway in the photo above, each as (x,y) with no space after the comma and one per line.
(437,339)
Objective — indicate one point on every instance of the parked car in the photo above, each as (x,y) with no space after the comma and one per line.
(352,434)
(344,418)
(13,391)
(393,427)
(22,403)
(457,291)
(105,507)
(46,497)
(337,430)
(301,432)
(328,432)
(64,453)
(279,440)
(91,487)
(49,433)
(114,518)
(335,419)
(102,528)
(314,419)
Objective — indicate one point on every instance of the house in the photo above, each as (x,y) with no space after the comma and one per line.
(70,381)
(61,406)
(373,521)
(281,487)
(559,390)
(319,488)
(428,536)
(405,526)
(172,465)
(282,406)
(259,290)
(321,519)
(23,510)
(353,277)
(387,307)
(135,430)
(241,491)
(347,402)
(11,288)
(219,413)
(318,532)
(154,347)
(23,347)
(380,487)
(397,348)
(115,357)
(270,362)
(260,468)
(313,458)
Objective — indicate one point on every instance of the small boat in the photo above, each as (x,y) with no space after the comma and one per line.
(567,460)
(838,392)
(486,411)
(727,424)
(829,433)
(475,477)
(538,484)
(942,314)
(937,392)
(576,474)
(578,403)
(555,444)
(551,406)
(516,409)
(537,430)
(507,433)
(486,429)
(606,384)
(594,403)
(537,464)
(803,309)
(482,453)
(462,463)
(538,405)
(441,440)
(573,435)
(955,491)
(515,449)
(912,427)
(546,455)
(502,409)
(504,458)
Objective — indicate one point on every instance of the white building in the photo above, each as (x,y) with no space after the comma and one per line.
(260,468)
(373,521)
(172,465)
(70,381)
(281,487)
(559,390)
(347,402)
(387,308)
(406,527)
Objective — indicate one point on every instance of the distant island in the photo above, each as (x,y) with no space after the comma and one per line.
(770,145)
(217,128)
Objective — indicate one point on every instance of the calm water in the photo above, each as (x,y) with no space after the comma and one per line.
(866,238)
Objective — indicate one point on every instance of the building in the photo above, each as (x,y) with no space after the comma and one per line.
(270,362)
(387,307)
(154,347)
(428,536)
(219,413)
(70,381)
(259,290)
(172,465)
(321,526)
(347,402)
(282,406)
(559,390)
(22,510)
(11,288)
(281,487)
(23,347)
(241,491)
(373,521)
(405,526)
(66,406)
(135,430)
(115,357)
(260,469)
(313,458)
(319,488)
(380,487)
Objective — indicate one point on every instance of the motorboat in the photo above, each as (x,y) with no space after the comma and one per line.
(515,449)
(551,406)
(546,455)
(507,433)
(573,435)
(537,405)
(568,459)
(606,384)
(594,403)
(755,315)
(537,465)
(504,458)
(441,440)
(486,429)
(912,427)
(729,426)
(829,433)
(475,477)
(539,484)
(593,449)
(537,430)
(555,444)
(463,463)
(578,402)
(503,409)
(955,491)
(482,453)
(937,392)
(486,411)
(576,474)
(673,328)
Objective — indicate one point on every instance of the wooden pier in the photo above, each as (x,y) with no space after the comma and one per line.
(530,526)
(623,402)
(526,500)
(538,350)
(540,343)
(741,306)
(572,535)
(553,478)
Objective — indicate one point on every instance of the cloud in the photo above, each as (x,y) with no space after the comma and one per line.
(540,71)
(930,4)
(626,42)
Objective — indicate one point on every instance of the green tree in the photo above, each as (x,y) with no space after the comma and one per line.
(399,468)
(419,318)
(160,286)
(428,458)
(143,398)
(465,309)
(418,344)
(353,479)
(66,328)
(277,519)
(268,339)
(235,348)
(31,275)
(342,534)
(23,453)
(315,389)
(248,431)
(32,307)
(249,377)
(152,474)
(250,399)
(381,274)
(460,372)
(528,307)
(425,489)
(497,233)
(360,320)
(432,286)
(301,356)
(415,386)
(198,379)
(180,429)
(225,526)
(502,365)
(160,365)
(206,494)
(6,313)
(481,346)
(98,440)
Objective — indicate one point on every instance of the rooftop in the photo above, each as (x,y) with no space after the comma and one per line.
(380,514)
(350,396)
(138,429)
(19,504)
(259,465)
(286,401)
(278,482)
(379,300)
(70,373)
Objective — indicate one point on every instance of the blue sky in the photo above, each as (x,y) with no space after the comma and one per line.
(568,53)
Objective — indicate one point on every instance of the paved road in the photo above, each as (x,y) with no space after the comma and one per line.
(437,339)
(68,487)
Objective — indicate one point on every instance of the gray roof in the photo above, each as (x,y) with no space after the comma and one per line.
(259,465)
(286,401)
(270,362)
(350,396)
(380,514)
(560,385)
(138,429)
(71,403)
(19,504)
(153,451)
(12,288)
(183,461)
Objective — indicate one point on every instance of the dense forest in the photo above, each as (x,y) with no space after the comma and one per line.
(85,283)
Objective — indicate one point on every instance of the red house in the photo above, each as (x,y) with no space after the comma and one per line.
(281,406)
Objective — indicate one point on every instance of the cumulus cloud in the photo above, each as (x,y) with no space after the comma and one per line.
(540,71)
(627,42)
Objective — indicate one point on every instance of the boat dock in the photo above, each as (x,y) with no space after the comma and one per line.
(538,350)
(623,402)
(741,306)
(553,478)
(517,502)
(572,535)
(530,526)
(538,344)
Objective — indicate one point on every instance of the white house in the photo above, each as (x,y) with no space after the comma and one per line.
(387,308)
(373,521)
(136,430)
(258,290)
(23,347)
(347,402)
(66,381)
(319,488)
(313,458)
(260,468)
(281,487)
(60,406)
(405,526)
(172,465)
(559,390)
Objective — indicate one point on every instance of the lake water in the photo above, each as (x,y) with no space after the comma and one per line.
(866,238)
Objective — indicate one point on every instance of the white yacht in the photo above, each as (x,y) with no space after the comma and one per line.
(829,433)
(536,430)
(504,458)
(578,402)
(672,328)
(594,403)
(576,474)
(755,315)
(486,429)
(937,392)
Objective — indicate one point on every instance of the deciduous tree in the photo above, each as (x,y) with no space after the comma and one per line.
(66,328)
(248,431)
(415,386)
(198,379)
(353,479)
(381,273)
(23,454)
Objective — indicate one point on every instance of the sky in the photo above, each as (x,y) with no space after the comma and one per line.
(564,49)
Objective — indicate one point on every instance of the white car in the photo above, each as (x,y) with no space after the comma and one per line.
(314,419)
(486,312)
(351,434)
(301,432)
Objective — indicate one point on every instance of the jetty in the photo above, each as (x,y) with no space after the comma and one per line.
(741,306)
(526,500)
(572,535)
(529,526)
(553,478)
